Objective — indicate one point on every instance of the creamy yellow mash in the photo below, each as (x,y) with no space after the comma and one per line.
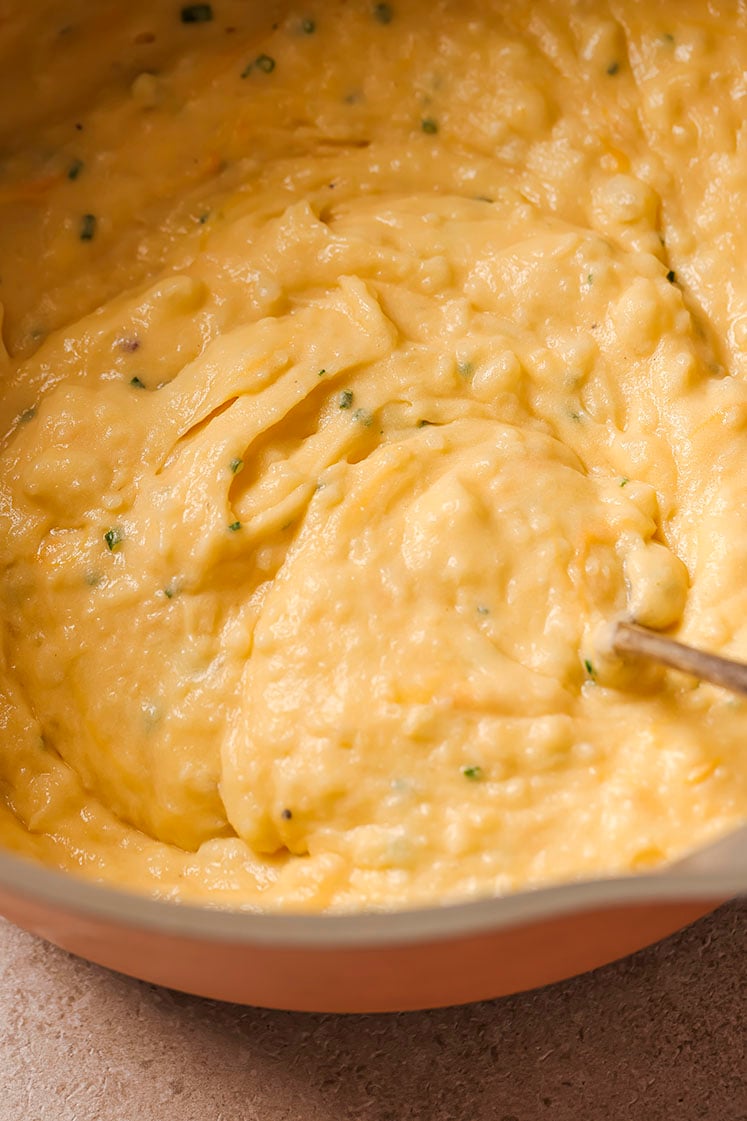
(363,362)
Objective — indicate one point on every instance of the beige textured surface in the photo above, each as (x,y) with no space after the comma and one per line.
(658,1037)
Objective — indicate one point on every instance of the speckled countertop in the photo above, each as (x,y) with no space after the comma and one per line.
(658,1037)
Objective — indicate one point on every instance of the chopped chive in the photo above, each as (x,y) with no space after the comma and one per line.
(321,373)
(234,526)
(113,538)
(75,169)
(429,125)
(236,465)
(263,62)
(624,481)
(169,593)
(363,416)
(482,609)
(136,383)
(466,369)
(197,13)
(590,278)
(613,69)
(345,399)
(383,13)
(671,276)
(87,227)
(308,26)
(474,774)
(588,667)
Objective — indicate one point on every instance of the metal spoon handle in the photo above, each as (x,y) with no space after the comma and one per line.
(631,638)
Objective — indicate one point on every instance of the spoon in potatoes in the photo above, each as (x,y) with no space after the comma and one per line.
(634,639)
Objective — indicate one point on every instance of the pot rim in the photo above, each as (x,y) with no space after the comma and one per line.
(64,891)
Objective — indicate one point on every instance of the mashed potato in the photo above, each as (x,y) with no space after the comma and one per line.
(363,362)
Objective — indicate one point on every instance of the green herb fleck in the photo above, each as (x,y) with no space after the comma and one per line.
(136,383)
(346,399)
(113,538)
(474,774)
(202,218)
(383,13)
(321,373)
(308,26)
(92,579)
(75,169)
(236,465)
(590,278)
(466,369)
(424,423)
(588,667)
(613,69)
(27,415)
(234,526)
(429,125)
(168,592)
(671,276)
(263,62)
(624,481)
(87,227)
(151,713)
(363,416)
(574,415)
(482,609)
(197,13)
(667,37)
(483,198)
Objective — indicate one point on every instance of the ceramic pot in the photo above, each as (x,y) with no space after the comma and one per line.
(371,962)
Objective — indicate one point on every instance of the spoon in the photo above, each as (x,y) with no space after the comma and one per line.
(632,638)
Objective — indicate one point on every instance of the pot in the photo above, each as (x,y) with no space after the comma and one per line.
(373,962)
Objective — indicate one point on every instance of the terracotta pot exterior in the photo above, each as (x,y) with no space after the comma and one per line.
(361,978)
